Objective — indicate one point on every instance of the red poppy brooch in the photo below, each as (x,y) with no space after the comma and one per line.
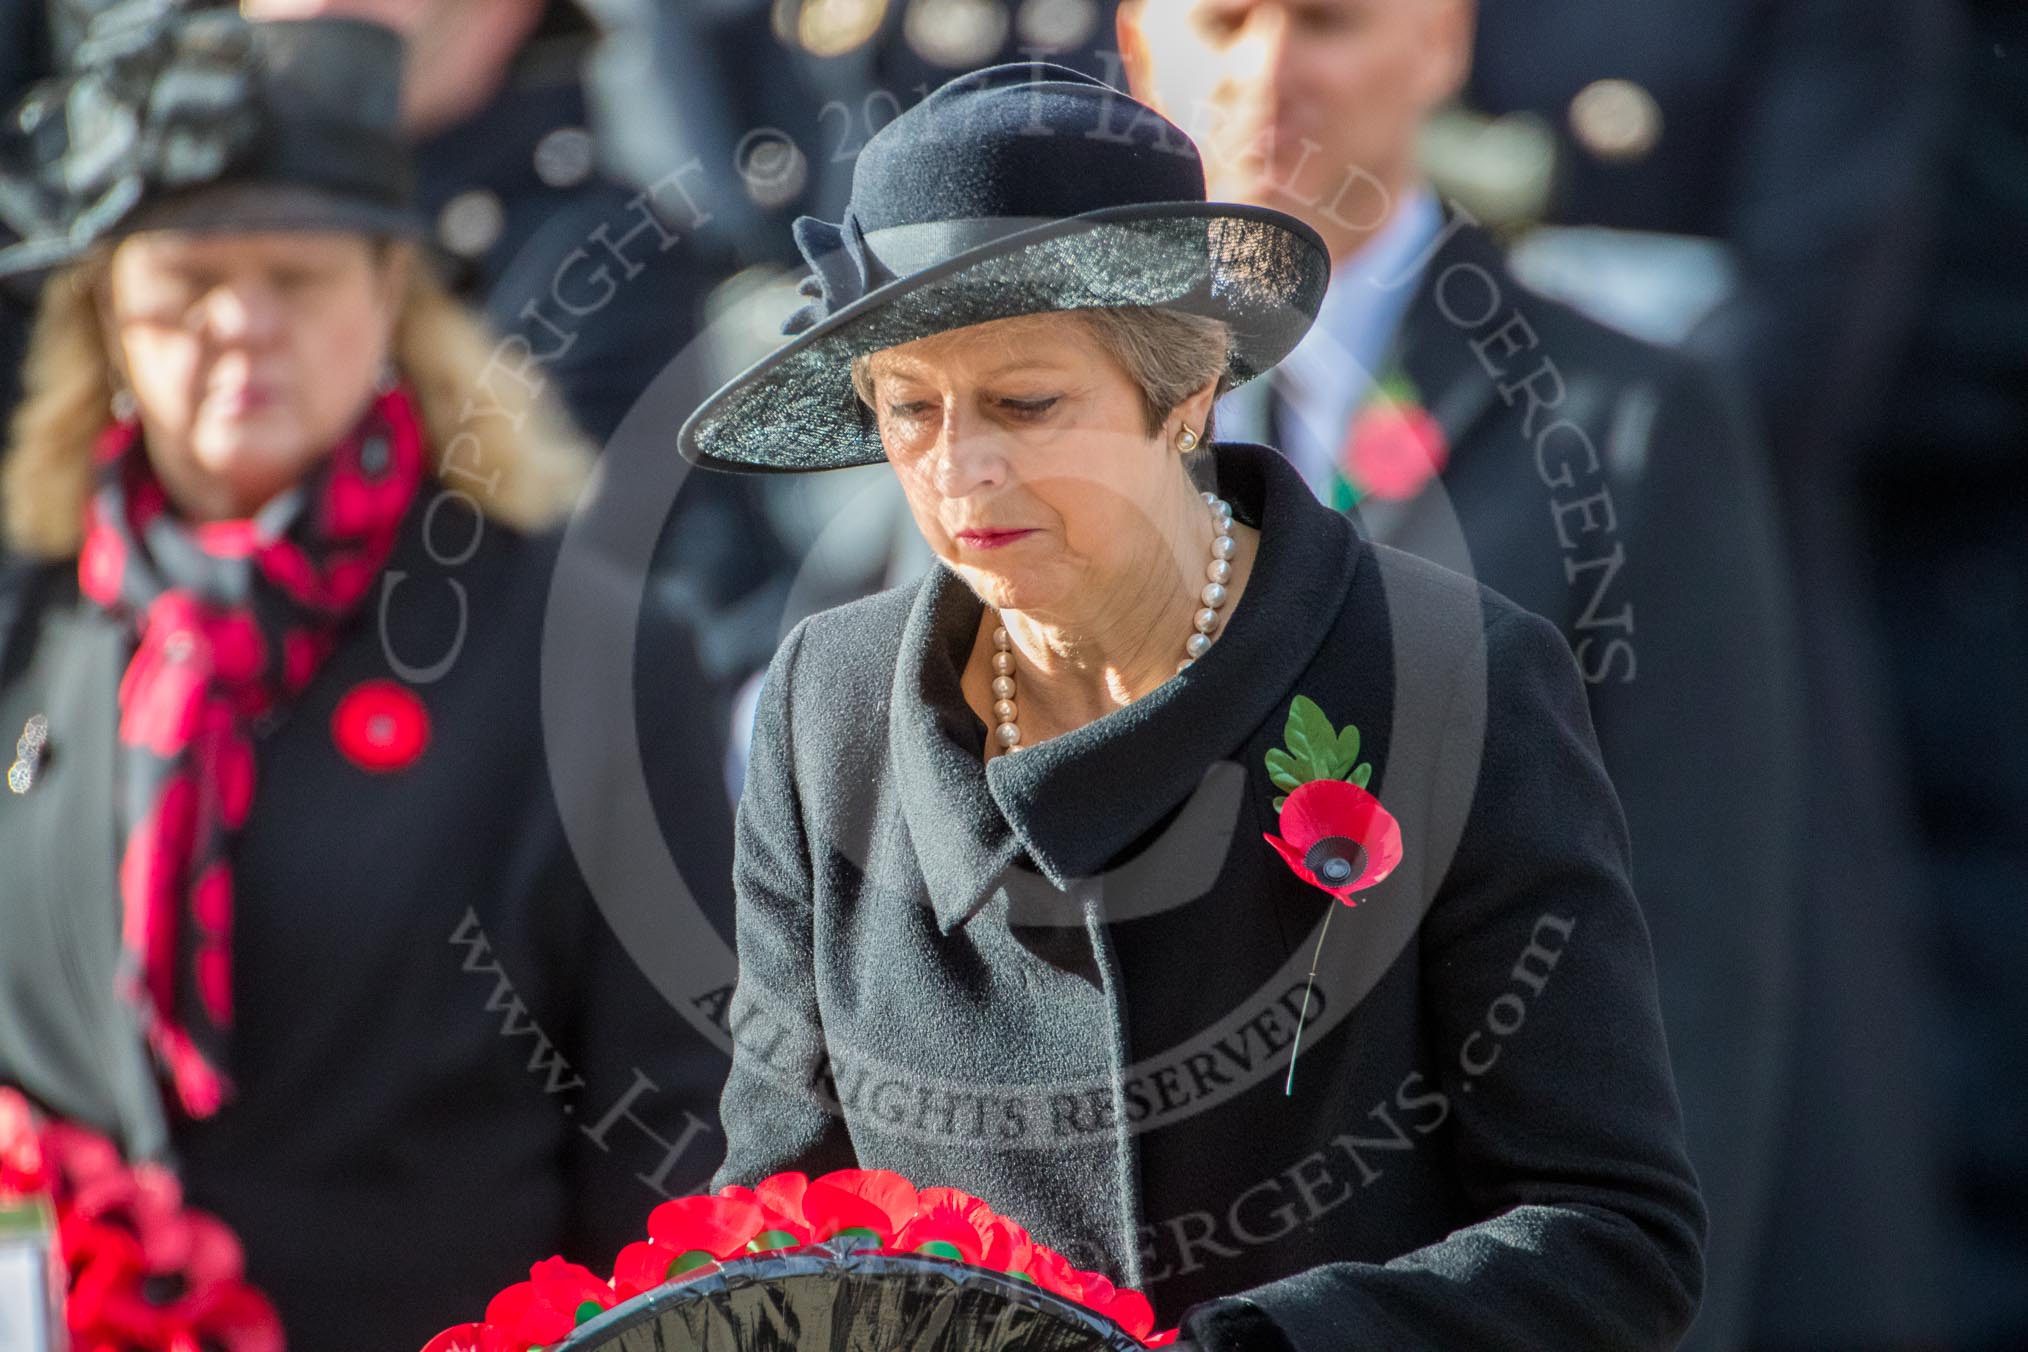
(1334,834)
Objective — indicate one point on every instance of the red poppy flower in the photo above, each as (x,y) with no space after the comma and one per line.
(781,1197)
(1051,1271)
(718,1227)
(1337,836)
(645,1265)
(468,1338)
(956,1218)
(381,726)
(1394,449)
(570,1288)
(527,1320)
(875,1201)
(1129,1309)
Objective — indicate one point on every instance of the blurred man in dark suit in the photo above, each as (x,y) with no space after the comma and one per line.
(1804,135)
(1614,487)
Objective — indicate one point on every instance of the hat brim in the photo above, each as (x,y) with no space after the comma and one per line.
(236,208)
(1261,271)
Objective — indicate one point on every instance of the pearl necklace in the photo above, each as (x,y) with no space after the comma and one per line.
(1204,625)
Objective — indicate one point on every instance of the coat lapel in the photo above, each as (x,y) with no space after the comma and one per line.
(1435,352)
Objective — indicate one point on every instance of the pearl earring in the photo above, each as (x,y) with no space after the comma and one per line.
(122,404)
(1186,441)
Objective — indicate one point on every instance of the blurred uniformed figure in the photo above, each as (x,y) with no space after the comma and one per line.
(1947,497)
(1615,487)
(1801,136)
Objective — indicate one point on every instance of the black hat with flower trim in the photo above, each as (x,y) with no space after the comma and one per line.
(171,118)
(1018,189)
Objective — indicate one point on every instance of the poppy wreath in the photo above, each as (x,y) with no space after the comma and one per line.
(855,1210)
(141,1271)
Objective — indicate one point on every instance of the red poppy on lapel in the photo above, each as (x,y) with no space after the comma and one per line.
(1394,447)
(1336,836)
(381,726)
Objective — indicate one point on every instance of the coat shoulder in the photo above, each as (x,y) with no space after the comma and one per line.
(853,647)
(1450,613)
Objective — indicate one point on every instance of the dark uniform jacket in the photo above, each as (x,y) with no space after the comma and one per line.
(1618,490)
(1067,980)
(1808,135)
(448,1067)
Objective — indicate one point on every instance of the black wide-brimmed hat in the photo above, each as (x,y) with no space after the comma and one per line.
(202,120)
(1015,190)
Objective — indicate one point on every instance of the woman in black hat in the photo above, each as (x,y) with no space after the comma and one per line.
(1035,859)
(286,891)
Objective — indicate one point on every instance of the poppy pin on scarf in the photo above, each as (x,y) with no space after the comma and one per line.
(381,726)
(1335,835)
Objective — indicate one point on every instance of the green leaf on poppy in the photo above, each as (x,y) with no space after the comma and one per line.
(1362,774)
(1345,753)
(1018,1275)
(941,1248)
(589,1311)
(1279,801)
(1311,737)
(771,1239)
(688,1261)
(1397,388)
(1282,769)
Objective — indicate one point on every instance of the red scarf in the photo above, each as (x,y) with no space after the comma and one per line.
(231,620)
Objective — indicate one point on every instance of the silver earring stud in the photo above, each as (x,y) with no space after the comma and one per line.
(122,404)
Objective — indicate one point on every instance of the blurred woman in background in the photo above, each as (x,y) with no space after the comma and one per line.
(287,896)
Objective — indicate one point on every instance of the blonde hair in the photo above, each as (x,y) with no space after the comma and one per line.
(517,456)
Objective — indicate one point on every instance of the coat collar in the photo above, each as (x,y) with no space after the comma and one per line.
(1057,815)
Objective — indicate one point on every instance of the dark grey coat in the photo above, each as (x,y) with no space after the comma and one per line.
(1066,980)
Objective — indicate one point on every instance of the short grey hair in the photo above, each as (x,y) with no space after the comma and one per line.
(1169,354)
